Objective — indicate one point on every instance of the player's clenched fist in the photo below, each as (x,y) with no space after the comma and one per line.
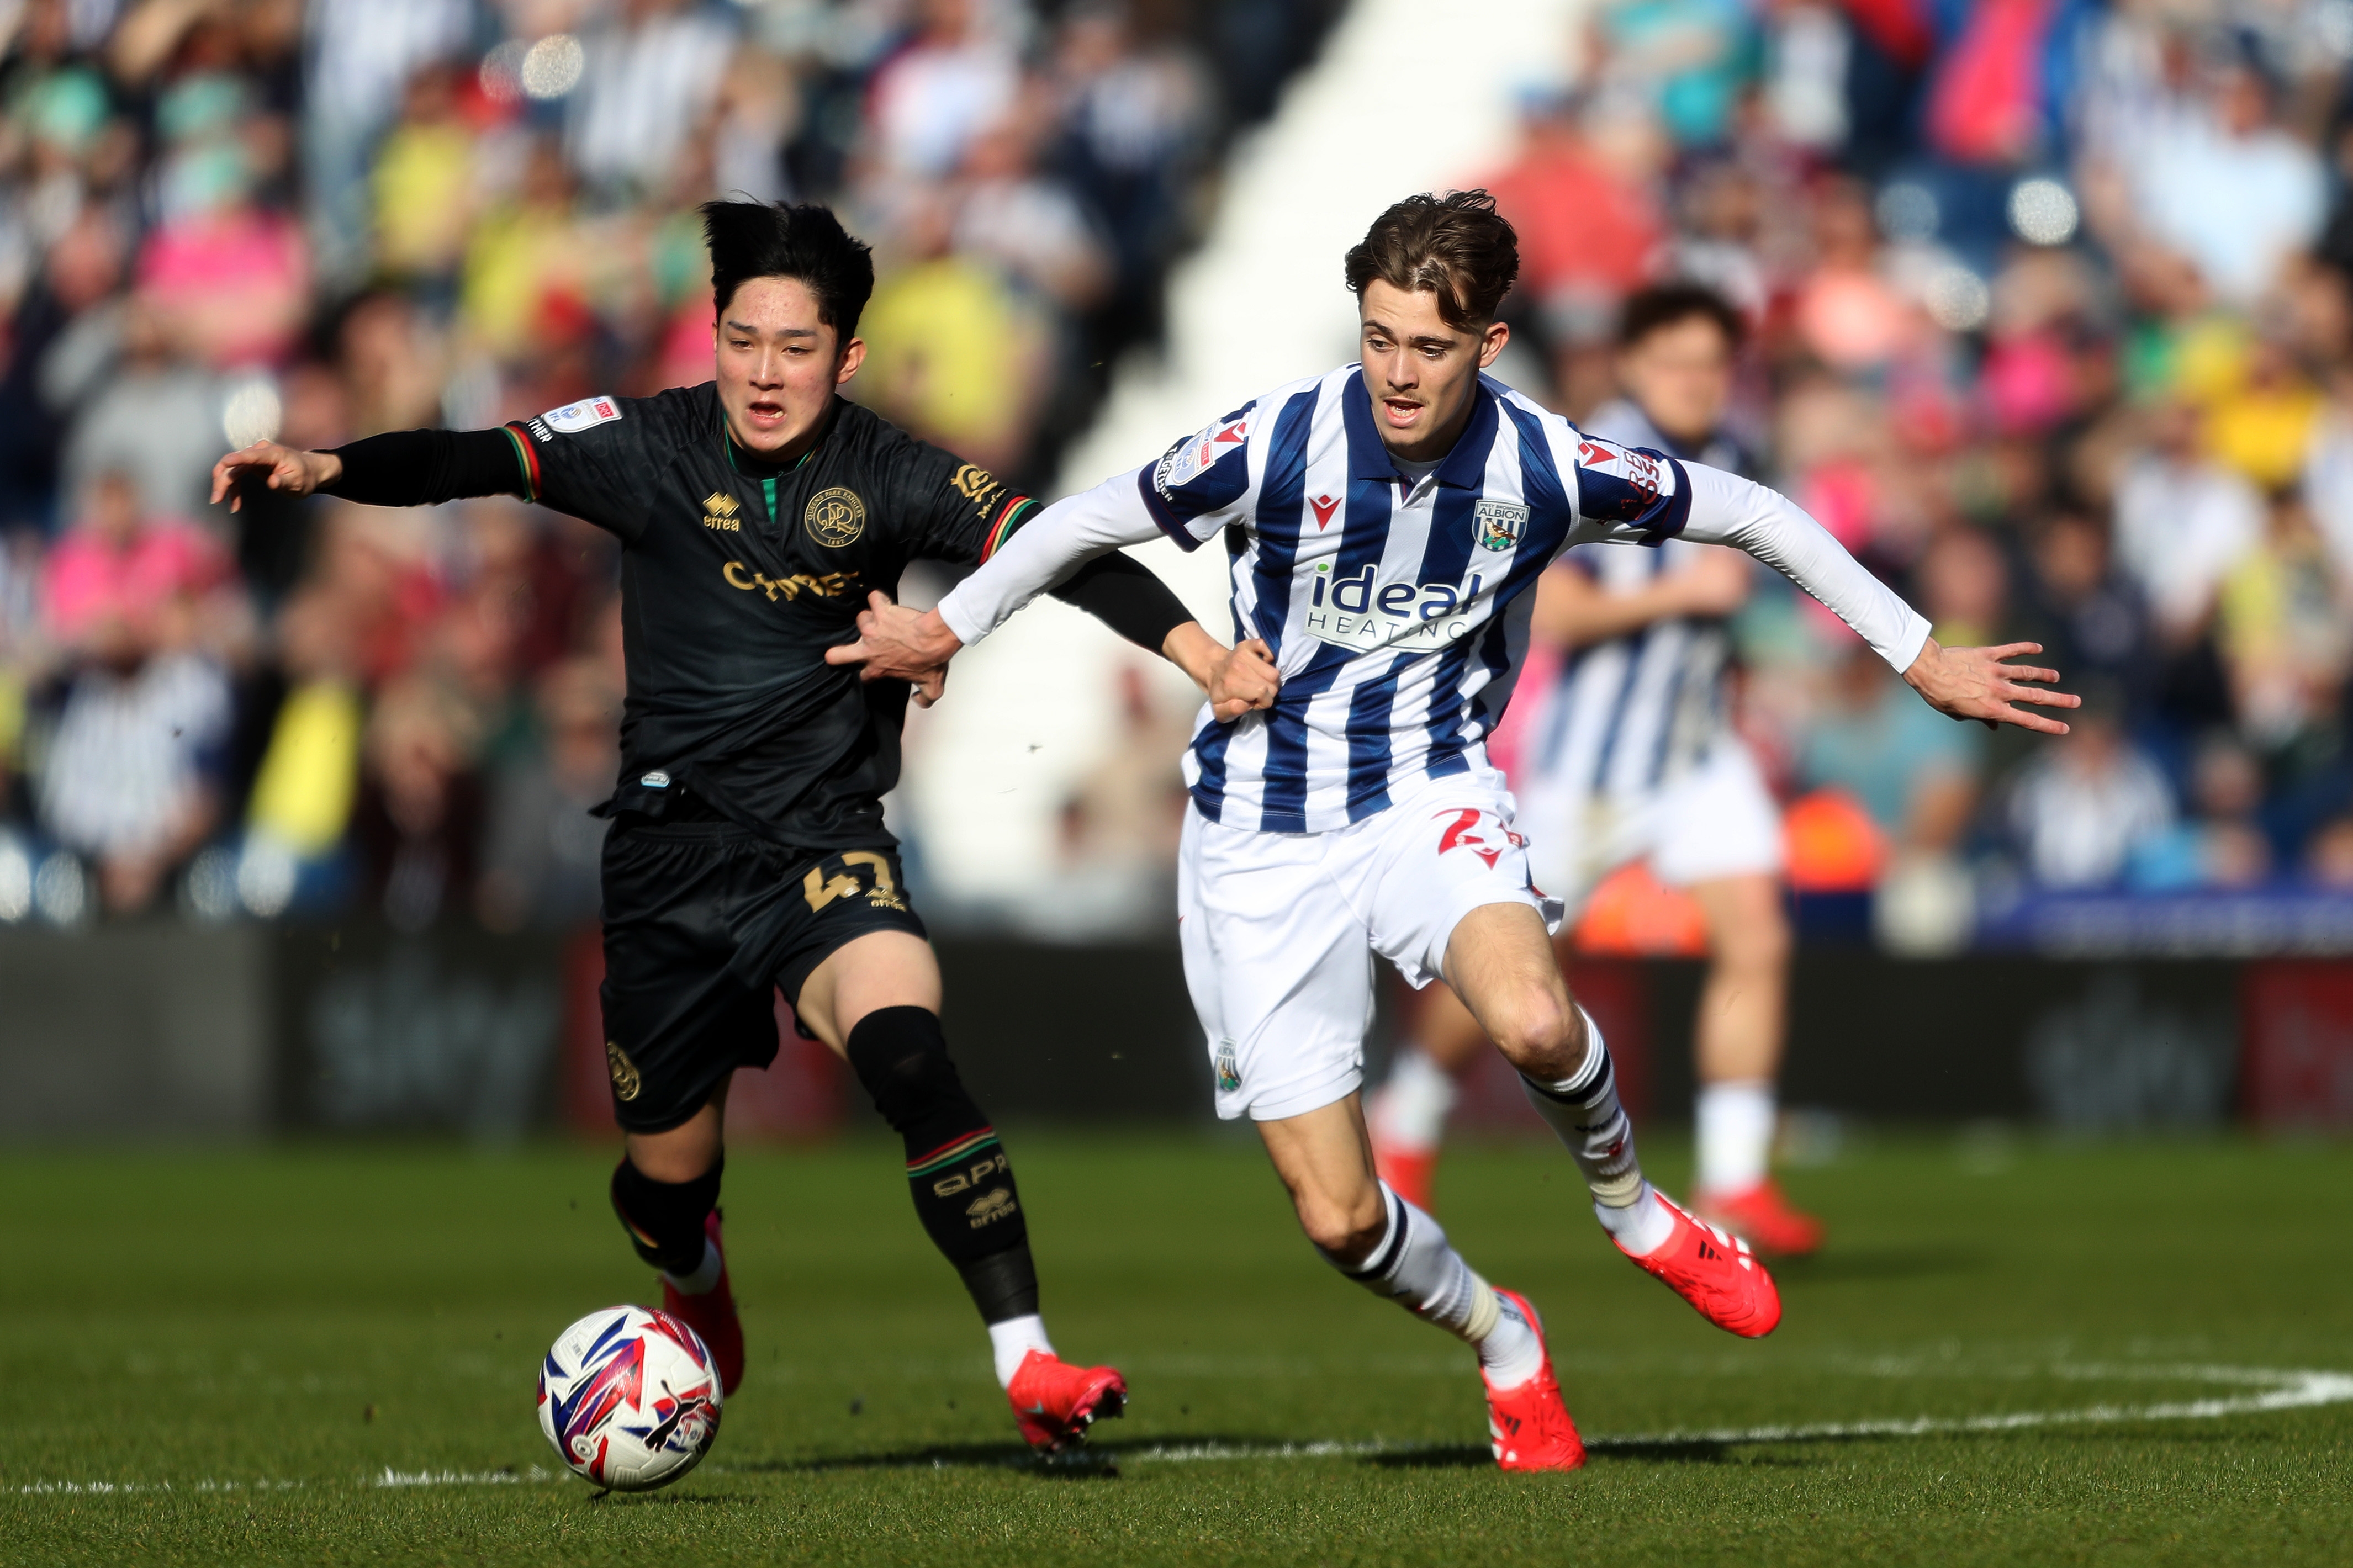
(1241,679)
(289,469)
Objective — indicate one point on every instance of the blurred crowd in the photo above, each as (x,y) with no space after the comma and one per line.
(2051,326)
(222,220)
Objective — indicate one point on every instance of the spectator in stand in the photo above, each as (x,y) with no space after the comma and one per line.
(143,408)
(130,781)
(419,817)
(423,184)
(2182,521)
(117,568)
(2282,630)
(952,83)
(650,79)
(542,856)
(2089,618)
(2222,845)
(2084,806)
(1916,781)
(231,275)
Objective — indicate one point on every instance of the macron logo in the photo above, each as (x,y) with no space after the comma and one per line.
(1325,506)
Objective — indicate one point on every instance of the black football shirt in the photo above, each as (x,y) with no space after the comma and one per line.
(737,576)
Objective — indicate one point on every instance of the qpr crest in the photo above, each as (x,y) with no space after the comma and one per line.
(1498,524)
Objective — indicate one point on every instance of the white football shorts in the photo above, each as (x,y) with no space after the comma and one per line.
(1279,931)
(1715,820)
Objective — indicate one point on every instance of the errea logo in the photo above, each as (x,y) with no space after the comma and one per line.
(719,509)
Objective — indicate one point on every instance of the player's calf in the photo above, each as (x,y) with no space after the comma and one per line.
(674,1225)
(965,1194)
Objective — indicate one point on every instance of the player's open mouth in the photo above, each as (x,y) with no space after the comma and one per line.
(1401,412)
(765,413)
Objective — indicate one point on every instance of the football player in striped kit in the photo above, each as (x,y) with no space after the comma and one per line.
(1384,525)
(1630,755)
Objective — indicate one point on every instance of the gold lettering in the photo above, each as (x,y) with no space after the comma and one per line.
(729,571)
(821,892)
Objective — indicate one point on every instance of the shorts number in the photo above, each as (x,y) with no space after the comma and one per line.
(821,890)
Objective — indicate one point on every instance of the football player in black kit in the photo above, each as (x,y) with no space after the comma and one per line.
(758,513)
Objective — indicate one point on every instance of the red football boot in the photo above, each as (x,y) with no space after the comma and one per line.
(1528,1427)
(1410,1173)
(712,1315)
(1763,1219)
(1055,1402)
(1716,1273)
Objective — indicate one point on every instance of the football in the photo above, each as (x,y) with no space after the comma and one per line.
(629,1398)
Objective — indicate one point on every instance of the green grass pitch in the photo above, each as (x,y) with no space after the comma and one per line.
(245,1346)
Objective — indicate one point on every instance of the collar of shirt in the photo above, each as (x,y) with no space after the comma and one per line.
(1464,467)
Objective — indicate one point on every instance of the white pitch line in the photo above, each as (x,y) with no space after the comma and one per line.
(2287,1390)
(2291,1390)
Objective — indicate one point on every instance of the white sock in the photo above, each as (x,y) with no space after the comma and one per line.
(1415,1266)
(1583,1110)
(1410,1110)
(1641,1227)
(1736,1133)
(1511,1353)
(1012,1340)
(705,1278)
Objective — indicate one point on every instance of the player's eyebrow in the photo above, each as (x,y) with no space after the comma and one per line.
(1373,323)
(751,332)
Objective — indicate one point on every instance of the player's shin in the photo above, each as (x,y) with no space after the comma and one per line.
(1583,1110)
(1415,1266)
(957,1173)
(665,1222)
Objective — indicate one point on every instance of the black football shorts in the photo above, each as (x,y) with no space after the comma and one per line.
(702,920)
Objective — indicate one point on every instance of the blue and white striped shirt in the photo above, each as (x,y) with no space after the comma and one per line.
(1629,714)
(1397,605)
(1398,612)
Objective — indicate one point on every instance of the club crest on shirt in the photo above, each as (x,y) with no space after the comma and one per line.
(1230,1071)
(585,414)
(835,517)
(1498,524)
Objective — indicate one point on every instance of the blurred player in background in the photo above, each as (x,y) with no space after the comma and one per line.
(1630,755)
(1385,524)
(748,852)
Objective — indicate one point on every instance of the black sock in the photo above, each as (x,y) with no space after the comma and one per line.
(664,1219)
(956,1170)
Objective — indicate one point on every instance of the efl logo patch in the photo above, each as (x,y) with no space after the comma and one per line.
(585,414)
(1191,458)
(1498,524)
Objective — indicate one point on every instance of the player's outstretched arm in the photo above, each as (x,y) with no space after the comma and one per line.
(400,468)
(1962,683)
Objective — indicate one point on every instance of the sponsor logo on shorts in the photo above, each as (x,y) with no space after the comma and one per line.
(832,586)
(1230,1071)
(719,509)
(1498,524)
(835,517)
(626,1084)
(991,1206)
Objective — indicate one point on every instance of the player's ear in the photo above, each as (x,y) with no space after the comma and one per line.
(852,356)
(1491,342)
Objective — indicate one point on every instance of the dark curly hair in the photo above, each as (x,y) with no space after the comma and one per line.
(1457,246)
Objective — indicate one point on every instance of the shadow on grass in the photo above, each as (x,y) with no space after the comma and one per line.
(1085,1464)
(1883,1263)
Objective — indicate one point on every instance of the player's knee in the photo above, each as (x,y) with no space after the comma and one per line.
(1538,1030)
(901,1056)
(1345,1232)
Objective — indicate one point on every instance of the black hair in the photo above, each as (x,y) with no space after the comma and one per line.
(1457,246)
(798,239)
(1647,310)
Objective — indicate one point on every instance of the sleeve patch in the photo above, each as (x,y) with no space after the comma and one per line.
(585,414)
(1195,455)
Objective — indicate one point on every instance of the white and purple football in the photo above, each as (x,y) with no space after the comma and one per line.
(629,1397)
